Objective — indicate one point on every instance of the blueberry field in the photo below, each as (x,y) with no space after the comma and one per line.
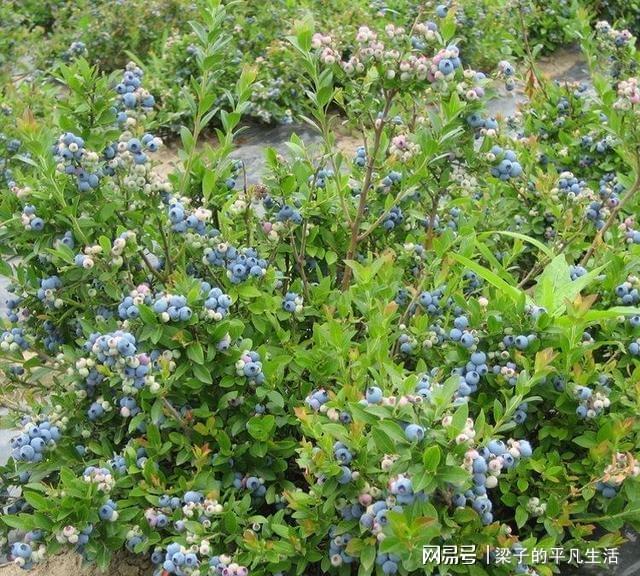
(344,287)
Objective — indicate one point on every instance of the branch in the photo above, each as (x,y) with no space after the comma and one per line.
(380,218)
(599,237)
(165,245)
(300,262)
(355,227)
(171,408)
(143,255)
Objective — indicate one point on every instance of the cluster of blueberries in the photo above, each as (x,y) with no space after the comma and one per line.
(507,166)
(320,178)
(520,342)
(182,561)
(35,438)
(76,49)
(288,213)
(372,511)
(318,398)
(628,294)
(460,333)
(22,554)
(576,272)
(183,221)
(292,303)
(216,303)
(486,466)
(254,484)
(607,489)
(338,548)
(128,308)
(134,538)
(448,60)
(172,308)
(390,180)
(507,71)
(100,477)
(30,220)
(479,122)
(388,562)
(179,561)
(97,410)
(13,309)
(393,218)
(569,185)
(83,261)
(250,366)
(470,374)
(108,512)
(407,343)
(360,158)
(138,149)
(74,159)
(111,347)
(241,264)
(425,387)
(47,291)
(431,301)
(609,198)
(508,370)
(592,403)
(132,94)
(13,340)
(71,535)
(128,407)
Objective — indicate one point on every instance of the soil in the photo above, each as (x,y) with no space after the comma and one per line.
(70,564)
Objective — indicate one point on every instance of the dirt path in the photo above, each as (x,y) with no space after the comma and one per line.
(70,564)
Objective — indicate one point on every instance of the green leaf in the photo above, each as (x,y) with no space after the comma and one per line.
(261,427)
(202,373)
(195,353)
(459,420)
(367,557)
(38,501)
(382,441)
(431,458)
(521,516)
(533,241)
(393,431)
(147,315)
(514,293)
(554,287)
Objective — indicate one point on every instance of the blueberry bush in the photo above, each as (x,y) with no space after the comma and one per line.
(38,35)
(432,340)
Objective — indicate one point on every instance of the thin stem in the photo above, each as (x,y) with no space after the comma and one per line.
(143,255)
(366,184)
(165,246)
(545,259)
(197,128)
(414,300)
(527,47)
(172,409)
(380,218)
(300,263)
(428,243)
